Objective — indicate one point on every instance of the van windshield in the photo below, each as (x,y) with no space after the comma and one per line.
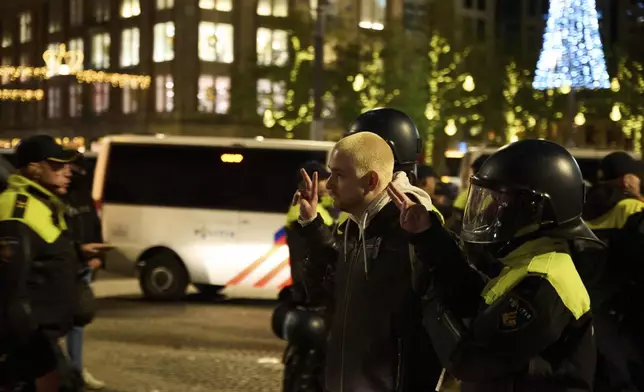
(227,178)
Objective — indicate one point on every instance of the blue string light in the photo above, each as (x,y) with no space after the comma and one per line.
(572,53)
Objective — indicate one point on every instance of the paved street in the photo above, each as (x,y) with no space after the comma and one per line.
(195,345)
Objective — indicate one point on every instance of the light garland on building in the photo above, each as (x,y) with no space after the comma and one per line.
(21,95)
(572,53)
(64,62)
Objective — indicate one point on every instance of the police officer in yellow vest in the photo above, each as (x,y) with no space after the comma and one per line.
(530,328)
(38,267)
(614,210)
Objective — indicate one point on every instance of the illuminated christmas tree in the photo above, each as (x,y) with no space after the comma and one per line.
(572,54)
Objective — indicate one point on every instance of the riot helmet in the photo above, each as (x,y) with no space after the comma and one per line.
(525,190)
(400,132)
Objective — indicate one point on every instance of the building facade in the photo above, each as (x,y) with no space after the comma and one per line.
(204,57)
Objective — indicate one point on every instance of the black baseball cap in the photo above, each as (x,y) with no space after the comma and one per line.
(425,171)
(617,164)
(315,166)
(42,148)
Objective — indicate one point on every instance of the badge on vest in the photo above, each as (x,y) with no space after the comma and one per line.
(518,314)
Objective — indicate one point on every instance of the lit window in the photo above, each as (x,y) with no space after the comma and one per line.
(216,42)
(25,27)
(76,12)
(272,7)
(53,102)
(101,51)
(76,44)
(24,62)
(6,61)
(372,14)
(130,8)
(130,100)
(219,5)
(270,95)
(165,4)
(214,94)
(102,10)
(54,16)
(75,100)
(7,38)
(272,47)
(163,42)
(130,47)
(164,93)
(101,97)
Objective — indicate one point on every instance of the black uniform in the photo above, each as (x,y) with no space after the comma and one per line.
(38,279)
(530,328)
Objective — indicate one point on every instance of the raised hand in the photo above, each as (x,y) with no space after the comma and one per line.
(308,198)
(414,217)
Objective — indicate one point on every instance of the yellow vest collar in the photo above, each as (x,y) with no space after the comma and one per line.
(21,183)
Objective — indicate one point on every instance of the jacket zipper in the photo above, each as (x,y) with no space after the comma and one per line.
(344,317)
(399,365)
(450,325)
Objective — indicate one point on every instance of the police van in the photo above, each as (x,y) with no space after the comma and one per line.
(202,210)
(459,163)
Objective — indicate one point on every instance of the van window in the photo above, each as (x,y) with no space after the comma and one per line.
(198,177)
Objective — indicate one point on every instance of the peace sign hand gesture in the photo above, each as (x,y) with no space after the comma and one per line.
(308,198)
(414,217)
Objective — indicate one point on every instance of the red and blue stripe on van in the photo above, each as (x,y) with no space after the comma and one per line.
(278,243)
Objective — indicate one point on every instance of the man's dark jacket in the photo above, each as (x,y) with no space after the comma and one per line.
(376,338)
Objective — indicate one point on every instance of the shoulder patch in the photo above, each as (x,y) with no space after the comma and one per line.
(20,206)
(518,314)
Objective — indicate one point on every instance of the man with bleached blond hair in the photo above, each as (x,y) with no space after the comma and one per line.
(363,273)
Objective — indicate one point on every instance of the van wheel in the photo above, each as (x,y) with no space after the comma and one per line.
(208,290)
(163,277)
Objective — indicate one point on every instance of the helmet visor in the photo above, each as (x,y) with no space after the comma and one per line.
(498,216)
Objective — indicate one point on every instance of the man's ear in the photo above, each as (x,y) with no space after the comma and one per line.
(373,181)
(33,171)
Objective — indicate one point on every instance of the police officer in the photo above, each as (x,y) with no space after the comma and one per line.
(614,210)
(38,268)
(532,331)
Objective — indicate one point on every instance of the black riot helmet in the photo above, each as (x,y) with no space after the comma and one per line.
(525,190)
(400,132)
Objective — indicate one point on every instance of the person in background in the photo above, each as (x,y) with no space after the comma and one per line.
(85,228)
(443,198)
(427,179)
(614,210)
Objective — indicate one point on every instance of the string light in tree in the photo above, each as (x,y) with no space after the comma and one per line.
(291,116)
(444,78)
(572,53)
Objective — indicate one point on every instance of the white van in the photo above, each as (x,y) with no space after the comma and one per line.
(201,210)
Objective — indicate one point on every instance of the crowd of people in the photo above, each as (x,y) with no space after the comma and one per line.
(532,284)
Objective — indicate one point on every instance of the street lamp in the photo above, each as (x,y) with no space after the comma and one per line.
(580,119)
(317,125)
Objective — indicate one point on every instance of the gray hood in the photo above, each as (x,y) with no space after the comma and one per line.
(401,180)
